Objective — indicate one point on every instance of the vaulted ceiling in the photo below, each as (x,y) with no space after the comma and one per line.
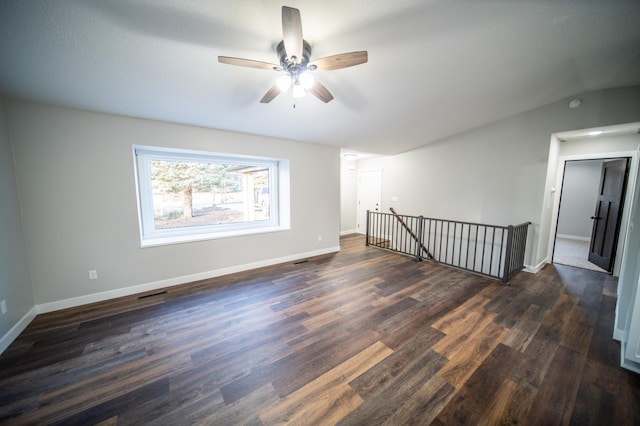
(436,68)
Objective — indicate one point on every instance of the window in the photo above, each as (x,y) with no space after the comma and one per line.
(192,195)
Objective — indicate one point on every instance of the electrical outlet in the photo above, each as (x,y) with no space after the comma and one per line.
(3,306)
(93,274)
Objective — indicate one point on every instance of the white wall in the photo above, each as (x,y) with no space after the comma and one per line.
(579,195)
(75,178)
(15,286)
(497,173)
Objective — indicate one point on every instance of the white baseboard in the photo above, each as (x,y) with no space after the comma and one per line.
(141,288)
(534,269)
(620,335)
(626,363)
(15,331)
(573,237)
(348,232)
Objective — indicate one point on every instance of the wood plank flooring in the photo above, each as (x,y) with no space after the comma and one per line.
(361,337)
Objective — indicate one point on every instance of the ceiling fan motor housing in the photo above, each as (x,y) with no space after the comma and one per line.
(292,64)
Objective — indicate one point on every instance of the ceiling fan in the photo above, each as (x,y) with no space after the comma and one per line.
(294,55)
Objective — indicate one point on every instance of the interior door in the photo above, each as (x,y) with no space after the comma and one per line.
(608,213)
(369,195)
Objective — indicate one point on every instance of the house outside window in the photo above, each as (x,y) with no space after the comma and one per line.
(193,195)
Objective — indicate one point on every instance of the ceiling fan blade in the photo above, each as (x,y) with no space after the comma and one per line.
(342,60)
(271,93)
(292,32)
(320,92)
(249,63)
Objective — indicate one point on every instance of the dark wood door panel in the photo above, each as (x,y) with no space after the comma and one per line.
(608,213)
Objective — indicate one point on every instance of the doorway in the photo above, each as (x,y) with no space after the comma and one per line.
(369,196)
(590,213)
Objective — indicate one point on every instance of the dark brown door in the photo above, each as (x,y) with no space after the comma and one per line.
(606,220)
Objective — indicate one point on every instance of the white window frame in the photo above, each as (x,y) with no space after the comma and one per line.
(150,236)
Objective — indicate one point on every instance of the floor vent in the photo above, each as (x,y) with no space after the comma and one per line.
(300,261)
(146,296)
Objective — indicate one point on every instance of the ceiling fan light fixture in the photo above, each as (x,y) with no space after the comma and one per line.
(284,82)
(306,80)
(294,54)
(298,91)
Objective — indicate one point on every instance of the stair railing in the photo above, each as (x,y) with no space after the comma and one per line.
(490,250)
(418,241)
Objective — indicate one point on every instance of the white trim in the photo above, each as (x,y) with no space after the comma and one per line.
(625,362)
(349,231)
(534,269)
(140,288)
(151,236)
(572,237)
(18,328)
(620,335)
(180,239)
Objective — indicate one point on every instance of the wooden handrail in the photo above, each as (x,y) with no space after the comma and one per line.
(397,216)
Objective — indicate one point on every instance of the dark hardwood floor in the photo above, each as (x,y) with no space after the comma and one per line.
(362,337)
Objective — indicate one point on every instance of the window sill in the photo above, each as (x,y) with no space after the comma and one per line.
(182,239)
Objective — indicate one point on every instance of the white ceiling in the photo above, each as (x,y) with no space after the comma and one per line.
(436,68)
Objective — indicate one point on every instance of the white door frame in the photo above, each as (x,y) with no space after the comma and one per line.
(624,223)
